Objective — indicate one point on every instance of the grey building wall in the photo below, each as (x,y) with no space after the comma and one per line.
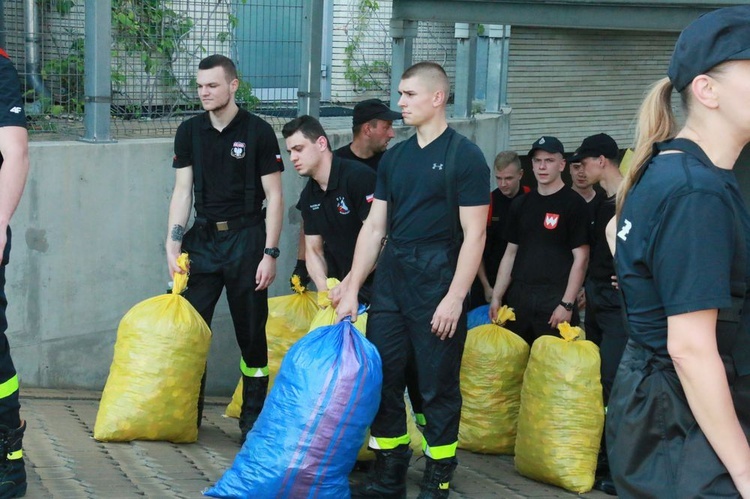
(575,83)
(88,244)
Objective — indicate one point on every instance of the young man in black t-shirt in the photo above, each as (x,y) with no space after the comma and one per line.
(231,159)
(372,130)
(14,167)
(548,249)
(424,275)
(334,202)
(605,322)
(508,173)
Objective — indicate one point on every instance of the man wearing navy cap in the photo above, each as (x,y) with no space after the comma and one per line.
(372,130)
(605,325)
(548,249)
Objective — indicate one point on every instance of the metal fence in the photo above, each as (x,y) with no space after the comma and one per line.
(156,46)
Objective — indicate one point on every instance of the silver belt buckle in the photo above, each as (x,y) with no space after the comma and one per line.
(222,226)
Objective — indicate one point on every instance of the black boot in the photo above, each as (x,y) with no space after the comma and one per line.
(437,477)
(387,477)
(12,470)
(253,396)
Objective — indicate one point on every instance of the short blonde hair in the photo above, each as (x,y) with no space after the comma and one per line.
(505,159)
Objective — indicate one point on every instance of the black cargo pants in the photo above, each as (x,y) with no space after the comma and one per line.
(409,284)
(229,259)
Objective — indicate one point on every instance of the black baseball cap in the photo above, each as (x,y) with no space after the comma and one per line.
(594,146)
(547,143)
(372,109)
(718,36)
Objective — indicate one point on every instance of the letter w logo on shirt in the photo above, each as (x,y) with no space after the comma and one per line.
(550,220)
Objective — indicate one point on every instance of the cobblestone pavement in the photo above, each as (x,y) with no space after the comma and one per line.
(64,461)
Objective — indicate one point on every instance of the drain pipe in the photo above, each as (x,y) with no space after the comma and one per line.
(33,50)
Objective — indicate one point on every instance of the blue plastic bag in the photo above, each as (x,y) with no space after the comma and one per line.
(478,317)
(306,439)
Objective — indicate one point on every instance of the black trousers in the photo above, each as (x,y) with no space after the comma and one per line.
(656,448)
(9,403)
(409,285)
(533,305)
(605,326)
(229,259)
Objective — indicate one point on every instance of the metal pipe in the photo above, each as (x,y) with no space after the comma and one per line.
(33,50)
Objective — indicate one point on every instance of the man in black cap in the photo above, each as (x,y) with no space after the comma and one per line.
(548,249)
(605,326)
(372,129)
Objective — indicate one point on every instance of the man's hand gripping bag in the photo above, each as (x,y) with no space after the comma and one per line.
(561,419)
(154,381)
(305,442)
(492,370)
(289,318)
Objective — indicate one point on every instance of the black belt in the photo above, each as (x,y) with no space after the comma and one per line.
(234,224)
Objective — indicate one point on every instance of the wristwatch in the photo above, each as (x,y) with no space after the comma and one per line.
(272,252)
(567,305)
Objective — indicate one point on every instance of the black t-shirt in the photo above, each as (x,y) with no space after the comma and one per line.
(675,244)
(247,145)
(601,263)
(337,213)
(546,230)
(347,153)
(417,192)
(494,246)
(11,101)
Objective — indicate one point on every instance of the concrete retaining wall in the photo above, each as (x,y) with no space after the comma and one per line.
(88,244)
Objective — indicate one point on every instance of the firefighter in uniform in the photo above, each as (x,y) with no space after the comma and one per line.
(433,208)
(14,167)
(231,159)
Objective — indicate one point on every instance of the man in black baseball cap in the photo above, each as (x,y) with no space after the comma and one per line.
(594,146)
(547,143)
(719,36)
(372,130)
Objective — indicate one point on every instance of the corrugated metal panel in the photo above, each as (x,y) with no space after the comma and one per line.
(575,83)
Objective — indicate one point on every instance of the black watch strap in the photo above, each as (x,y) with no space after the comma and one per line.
(567,305)
(272,252)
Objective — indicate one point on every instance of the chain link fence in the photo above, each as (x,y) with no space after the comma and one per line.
(157,44)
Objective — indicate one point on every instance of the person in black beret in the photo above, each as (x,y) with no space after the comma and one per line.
(678,417)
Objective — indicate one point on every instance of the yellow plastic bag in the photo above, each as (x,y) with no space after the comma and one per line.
(154,381)
(327,315)
(561,419)
(289,319)
(492,370)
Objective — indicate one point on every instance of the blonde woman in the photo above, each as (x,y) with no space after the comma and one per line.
(677,421)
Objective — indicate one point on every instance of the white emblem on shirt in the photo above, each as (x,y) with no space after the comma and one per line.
(437,166)
(315,206)
(341,206)
(623,234)
(15,109)
(238,150)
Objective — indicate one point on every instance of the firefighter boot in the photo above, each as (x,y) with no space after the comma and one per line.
(253,396)
(12,471)
(436,479)
(387,477)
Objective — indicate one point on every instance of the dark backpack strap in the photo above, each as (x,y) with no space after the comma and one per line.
(197,164)
(729,335)
(451,186)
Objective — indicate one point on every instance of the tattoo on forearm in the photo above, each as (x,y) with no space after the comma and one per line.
(177,232)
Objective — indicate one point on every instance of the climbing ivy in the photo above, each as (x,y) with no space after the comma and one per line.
(357,69)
